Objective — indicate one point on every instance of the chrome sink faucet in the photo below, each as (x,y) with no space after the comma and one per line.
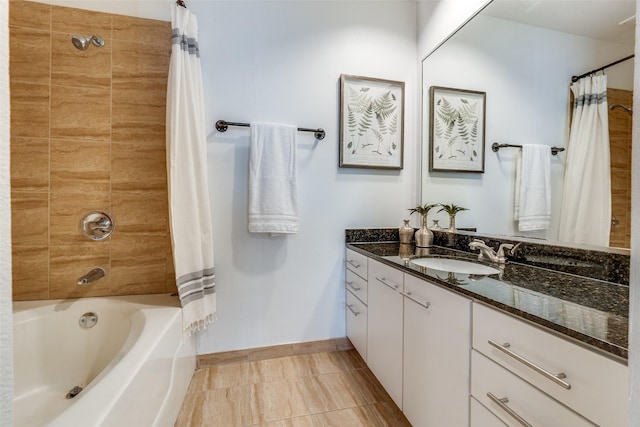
(93,275)
(486,253)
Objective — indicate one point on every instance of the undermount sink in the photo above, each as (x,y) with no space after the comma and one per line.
(455,266)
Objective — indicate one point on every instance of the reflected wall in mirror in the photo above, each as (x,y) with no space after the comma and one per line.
(523,55)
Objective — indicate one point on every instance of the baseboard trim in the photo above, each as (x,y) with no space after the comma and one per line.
(271,352)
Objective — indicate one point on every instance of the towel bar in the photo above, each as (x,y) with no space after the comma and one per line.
(495,147)
(223,125)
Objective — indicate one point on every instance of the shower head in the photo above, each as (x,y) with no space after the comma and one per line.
(82,42)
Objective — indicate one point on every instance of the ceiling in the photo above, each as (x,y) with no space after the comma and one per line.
(596,19)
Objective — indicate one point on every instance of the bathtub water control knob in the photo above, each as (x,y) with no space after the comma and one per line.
(88,320)
(97,225)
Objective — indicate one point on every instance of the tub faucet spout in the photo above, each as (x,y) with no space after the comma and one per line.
(92,276)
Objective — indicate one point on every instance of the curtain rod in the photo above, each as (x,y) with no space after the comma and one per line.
(181,3)
(222,126)
(495,147)
(576,78)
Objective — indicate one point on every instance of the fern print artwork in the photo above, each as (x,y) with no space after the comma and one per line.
(457,130)
(371,128)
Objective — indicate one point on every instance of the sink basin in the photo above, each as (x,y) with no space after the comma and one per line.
(455,266)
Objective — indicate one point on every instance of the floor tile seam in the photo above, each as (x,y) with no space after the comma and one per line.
(254,383)
(371,408)
(249,360)
(360,391)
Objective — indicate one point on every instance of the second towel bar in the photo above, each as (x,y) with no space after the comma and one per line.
(495,147)
(223,125)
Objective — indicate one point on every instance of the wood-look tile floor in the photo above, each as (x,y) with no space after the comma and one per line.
(313,390)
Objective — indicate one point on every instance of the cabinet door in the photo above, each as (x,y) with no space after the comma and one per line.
(437,341)
(357,324)
(384,341)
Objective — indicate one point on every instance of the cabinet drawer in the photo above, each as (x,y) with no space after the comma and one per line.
(596,386)
(357,324)
(490,382)
(482,417)
(357,263)
(356,285)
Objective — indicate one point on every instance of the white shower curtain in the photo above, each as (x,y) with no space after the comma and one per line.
(586,200)
(189,209)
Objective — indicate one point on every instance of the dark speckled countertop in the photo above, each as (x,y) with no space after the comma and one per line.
(592,311)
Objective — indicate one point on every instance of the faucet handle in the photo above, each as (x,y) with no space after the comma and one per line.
(502,248)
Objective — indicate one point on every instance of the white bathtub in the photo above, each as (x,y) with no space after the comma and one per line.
(134,365)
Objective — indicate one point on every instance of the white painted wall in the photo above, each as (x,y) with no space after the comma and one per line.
(438,19)
(281,62)
(527,89)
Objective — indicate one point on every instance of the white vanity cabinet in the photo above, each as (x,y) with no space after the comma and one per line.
(587,382)
(356,300)
(448,360)
(384,327)
(437,341)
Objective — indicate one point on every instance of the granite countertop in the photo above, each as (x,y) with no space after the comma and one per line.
(592,311)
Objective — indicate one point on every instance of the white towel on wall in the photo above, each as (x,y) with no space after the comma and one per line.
(273,190)
(533,188)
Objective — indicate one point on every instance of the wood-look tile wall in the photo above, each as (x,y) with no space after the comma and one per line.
(88,133)
(620,124)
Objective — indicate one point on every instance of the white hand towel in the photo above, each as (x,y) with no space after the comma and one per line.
(273,191)
(533,188)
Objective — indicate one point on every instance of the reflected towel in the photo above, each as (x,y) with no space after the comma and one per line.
(533,188)
(273,192)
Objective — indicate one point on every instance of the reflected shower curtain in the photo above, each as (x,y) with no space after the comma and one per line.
(189,210)
(586,200)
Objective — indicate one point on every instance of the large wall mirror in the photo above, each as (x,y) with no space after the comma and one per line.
(523,54)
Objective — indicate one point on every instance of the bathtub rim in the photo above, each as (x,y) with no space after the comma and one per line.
(101,395)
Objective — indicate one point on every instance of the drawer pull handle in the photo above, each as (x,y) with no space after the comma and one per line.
(353,263)
(412,298)
(350,284)
(558,379)
(355,313)
(502,403)
(389,284)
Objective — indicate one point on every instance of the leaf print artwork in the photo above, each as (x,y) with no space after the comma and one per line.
(457,130)
(371,122)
